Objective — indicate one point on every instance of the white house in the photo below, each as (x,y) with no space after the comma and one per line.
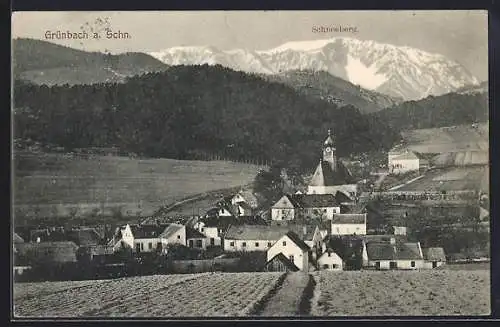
(434,257)
(195,239)
(330,261)
(405,161)
(292,206)
(212,233)
(293,248)
(151,238)
(383,256)
(349,224)
(284,209)
(123,238)
(245,196)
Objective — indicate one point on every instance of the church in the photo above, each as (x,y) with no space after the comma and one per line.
(331,175)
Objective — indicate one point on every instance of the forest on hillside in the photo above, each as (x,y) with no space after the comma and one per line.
(189,111)
(437,111)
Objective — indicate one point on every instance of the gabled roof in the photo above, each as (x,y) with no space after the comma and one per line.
(326,175)
(408,251)
(147,231)
(84,237)
(281,257)
(299,230)
(296,239)
(17,239)
(249,197)
(380,251)
(349,218)
(171,230)
(434,254)
(314,200)
(264,232)
(410,155)
(57,251)
(325,254)
(193,233)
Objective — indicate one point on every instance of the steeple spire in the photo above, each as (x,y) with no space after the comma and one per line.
(329,140)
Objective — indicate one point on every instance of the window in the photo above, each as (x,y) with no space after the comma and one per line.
(283,211)
(142,246)
(329,254)
(256,244)
(334,266)
(413,264)
(178,237)
(291,258)
(150,245)
(231,243)
(212,241)
(325,266)
(202,229)
(284,243)
(269,244)
(244,244)
(199,243)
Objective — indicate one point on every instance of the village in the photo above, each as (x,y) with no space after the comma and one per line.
(323,228)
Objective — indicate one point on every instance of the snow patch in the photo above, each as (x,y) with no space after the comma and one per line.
(366,77)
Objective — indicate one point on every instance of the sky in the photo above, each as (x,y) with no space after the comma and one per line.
(459,35)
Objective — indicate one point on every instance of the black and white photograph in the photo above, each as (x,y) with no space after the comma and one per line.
(250,164)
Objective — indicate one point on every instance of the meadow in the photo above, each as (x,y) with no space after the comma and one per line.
(61,185)
(437,292)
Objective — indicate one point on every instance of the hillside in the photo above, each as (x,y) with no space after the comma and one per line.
(190,111)
(433,112)
(43,62)
(55,184)
(325,86)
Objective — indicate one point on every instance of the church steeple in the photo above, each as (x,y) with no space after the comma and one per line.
(329,151)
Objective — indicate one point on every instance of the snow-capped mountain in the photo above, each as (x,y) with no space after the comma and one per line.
(398,71)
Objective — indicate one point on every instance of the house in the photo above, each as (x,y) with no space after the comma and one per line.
(53,234)
(330,260)
(280,263)
(155,238)
(84,236)
(434,257)
(293,248)
(245,196)
(331,175)
(122,238)
(292,206)
(394,256)
(349,224)
(399,230)
(252,237)
(405,161)
(211,231)
(45,252)
(195,239)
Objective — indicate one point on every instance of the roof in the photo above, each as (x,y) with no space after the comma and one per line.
(249,197)
(386,251)
(326,175)
(296,239)
(281,257)
(245,205)
(410,155)
(313,200)
(171,230)
(434,254)
(264,232)
(17,239)
(147,231)
(349,218)
(193,233)
(408,251)
(84,237)
(57,251)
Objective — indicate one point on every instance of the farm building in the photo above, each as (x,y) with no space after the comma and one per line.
(394,256)
(152,238)
(330,260)
(280,263)
(195,239)
(45,252)
(402,162)
(434,257)
(331,175)
(292,206)
(123,238)
(261,237)
(245,196)
(349,224)
(293,248)
(211,232)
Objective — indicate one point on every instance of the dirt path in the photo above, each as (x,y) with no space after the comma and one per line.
(292,298)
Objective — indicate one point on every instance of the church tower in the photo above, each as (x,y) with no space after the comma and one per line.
(329,151)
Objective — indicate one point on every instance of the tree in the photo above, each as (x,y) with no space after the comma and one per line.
(269,184)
